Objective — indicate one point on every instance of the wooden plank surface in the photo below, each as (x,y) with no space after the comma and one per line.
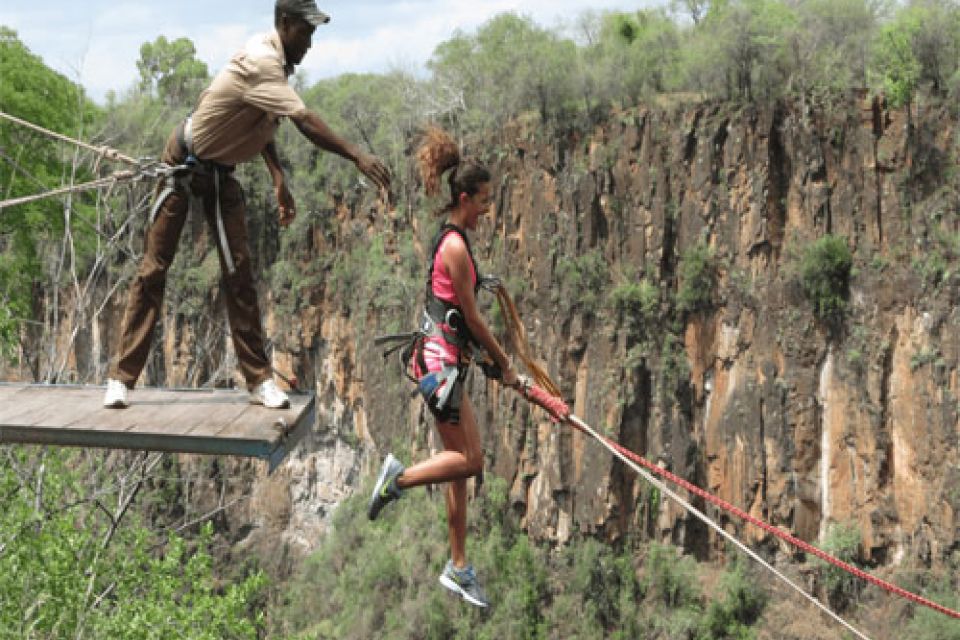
(212,421)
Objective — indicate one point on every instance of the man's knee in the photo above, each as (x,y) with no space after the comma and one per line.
(153,272)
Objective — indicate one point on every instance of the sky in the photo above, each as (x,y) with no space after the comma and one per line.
(97,42)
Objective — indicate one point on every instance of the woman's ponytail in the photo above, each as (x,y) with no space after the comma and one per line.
(437,154)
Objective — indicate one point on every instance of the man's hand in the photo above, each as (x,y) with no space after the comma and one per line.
(317,131)
(373,168)
(288,210)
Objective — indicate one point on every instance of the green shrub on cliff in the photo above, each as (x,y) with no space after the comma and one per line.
(636,303)
(843,542)
(928,624)
(583,278)
(697,280)
(825,268)
(738,607)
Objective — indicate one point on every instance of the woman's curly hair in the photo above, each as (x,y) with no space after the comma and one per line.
(439,153)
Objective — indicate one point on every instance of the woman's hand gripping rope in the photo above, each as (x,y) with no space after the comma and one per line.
(555,407)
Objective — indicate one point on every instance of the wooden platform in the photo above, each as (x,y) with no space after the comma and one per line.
(183,421)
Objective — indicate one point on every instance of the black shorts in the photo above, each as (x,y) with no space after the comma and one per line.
(451,410)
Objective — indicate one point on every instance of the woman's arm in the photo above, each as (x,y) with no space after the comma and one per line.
(457,261)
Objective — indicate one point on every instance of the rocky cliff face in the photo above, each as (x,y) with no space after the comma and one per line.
(750,395)
(747,393)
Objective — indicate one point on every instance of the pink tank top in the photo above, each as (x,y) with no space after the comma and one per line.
(437,352)
(442,282)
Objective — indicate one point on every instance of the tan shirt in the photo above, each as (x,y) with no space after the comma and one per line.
(238,113)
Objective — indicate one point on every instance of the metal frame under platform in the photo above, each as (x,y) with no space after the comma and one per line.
(206,421)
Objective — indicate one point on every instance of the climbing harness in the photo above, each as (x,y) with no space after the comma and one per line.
(443,316)
(192,164)
(442,322)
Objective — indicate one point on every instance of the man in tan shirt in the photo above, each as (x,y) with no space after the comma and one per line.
(235,120)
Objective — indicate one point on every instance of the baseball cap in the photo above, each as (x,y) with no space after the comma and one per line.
(306,9)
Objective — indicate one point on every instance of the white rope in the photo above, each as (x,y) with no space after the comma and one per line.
(656,482)
(119,176)
(145,167)
(106,152)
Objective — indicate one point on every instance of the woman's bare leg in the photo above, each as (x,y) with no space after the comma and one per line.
(462,459)
(456,495)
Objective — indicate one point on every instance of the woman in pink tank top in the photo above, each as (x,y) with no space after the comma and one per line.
(452,324)
(438,350)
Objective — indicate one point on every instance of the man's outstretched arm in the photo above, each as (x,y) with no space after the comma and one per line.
(317,131)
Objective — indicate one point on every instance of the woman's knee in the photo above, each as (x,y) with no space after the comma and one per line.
(474,461)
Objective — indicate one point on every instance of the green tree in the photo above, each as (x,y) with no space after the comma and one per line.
(830,44)
(170,70)
(920,46)
(74,564)
(509,66)
(637,54)
(30,164)
(739,48)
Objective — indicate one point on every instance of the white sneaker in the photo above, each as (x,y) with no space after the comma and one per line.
(269,395)
(116,395)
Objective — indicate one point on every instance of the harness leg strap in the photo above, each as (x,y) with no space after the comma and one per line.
(155,209)
(171,182)
(221,232)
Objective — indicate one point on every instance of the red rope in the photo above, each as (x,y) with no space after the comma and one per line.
(561,413)
(553,405)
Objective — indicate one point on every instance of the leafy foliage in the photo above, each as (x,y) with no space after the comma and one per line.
(582,278)
(637,54)
(928,624)
(734,613)
(843,542)
(31,163)
(697,279)
(636,303)
(825,276)
(395,562)
(739,49)
(69,569)
(170,70)
(588,589)
(510,65)
(920,45)
(829,45)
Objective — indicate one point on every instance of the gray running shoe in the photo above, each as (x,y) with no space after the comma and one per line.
(386,489)
(464,582)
